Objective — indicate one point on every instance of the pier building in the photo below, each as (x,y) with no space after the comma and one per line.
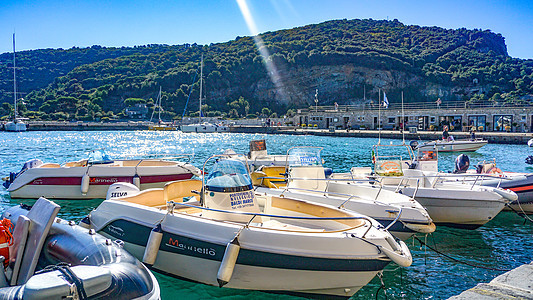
(457,115)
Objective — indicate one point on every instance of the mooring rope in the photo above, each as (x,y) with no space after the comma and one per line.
(523,214)
(456,260)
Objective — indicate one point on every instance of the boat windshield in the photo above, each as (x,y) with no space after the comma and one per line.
(228,175)
(304,156)
(98,157)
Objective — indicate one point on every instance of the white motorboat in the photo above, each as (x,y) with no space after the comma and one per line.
(17,124)
(234,238)
(448,203)
(451,146)
(485,174)
(306,180)
(90,178)
(50,258)
(204,127)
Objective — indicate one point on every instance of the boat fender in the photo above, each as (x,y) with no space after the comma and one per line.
(228,262)
(507,194)
(137,181)
(403,259)
(6,239)
(152,246)
(85,184)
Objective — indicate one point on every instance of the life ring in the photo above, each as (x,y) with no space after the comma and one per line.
(6,239)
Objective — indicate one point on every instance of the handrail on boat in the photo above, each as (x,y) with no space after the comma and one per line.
(173,204)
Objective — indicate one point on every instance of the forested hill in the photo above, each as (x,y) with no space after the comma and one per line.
(346,60)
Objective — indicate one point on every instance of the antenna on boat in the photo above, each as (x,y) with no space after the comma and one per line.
(403,123)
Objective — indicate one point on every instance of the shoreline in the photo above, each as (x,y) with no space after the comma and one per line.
(492,137)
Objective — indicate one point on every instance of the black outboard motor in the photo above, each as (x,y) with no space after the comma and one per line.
(529,160)
(462,163)
(413,144)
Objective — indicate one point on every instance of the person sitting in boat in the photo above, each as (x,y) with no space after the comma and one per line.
(473,133)
(445,134)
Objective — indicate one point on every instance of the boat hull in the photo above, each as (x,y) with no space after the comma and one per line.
(66,182)
(202,128)
(268,260)
(522,185)
(452,146)
(15,126)
(459,209)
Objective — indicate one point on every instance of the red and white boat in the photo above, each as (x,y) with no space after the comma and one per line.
(90,178)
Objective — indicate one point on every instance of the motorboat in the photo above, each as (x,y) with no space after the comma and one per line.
(485,174)
(530,143)
(17,124)
(450,145)
(453,204)
(305,178)
(218,231)
(204,127)
(91,177)
(50,258)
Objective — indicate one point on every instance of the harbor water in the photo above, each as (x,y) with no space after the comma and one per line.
(476,255)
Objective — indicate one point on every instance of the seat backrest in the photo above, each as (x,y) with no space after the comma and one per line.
(16,250)
(308,177)
(176,190)
(42,215)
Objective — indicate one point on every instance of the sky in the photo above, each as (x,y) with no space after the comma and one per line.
(40,24)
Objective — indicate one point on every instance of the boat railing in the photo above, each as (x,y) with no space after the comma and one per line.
(171,205)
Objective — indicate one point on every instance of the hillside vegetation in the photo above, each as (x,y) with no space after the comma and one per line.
(341,58)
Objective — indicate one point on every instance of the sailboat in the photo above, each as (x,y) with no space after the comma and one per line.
(205,126)
(17,124)
(160,124)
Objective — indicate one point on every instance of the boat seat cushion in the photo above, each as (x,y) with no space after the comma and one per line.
(50,165)
(149,197)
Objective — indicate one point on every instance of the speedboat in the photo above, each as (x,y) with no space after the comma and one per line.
(485,174)
(50,258)
(450,145)
(219,232)
(91,177)
(306,179)
(448,203)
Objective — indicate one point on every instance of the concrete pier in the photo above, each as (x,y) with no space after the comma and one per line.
(515,284)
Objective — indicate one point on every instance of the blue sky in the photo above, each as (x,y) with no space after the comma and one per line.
(67,23)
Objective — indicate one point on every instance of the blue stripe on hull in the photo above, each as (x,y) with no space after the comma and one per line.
(137,234)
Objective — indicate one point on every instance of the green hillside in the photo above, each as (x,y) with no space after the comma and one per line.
(340,57)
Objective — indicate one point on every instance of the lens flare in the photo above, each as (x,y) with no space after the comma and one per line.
(263,51)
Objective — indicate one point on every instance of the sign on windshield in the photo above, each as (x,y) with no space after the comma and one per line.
(305,156)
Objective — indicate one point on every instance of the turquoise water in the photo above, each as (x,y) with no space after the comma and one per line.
(504,243)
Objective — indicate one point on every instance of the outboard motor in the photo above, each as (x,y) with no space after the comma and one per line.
(462,163)
(413,144)
(121,189)
(32,163)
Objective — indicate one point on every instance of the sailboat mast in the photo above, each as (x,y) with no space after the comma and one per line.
(159,104)
(201,84)
(14,81)
(403,123)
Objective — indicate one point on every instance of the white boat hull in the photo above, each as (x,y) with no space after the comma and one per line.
(66,182)
(192,247)
(442,146)
(15,126)
(202,128)
(457,208)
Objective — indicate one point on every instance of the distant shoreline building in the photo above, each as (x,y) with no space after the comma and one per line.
(459,115)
